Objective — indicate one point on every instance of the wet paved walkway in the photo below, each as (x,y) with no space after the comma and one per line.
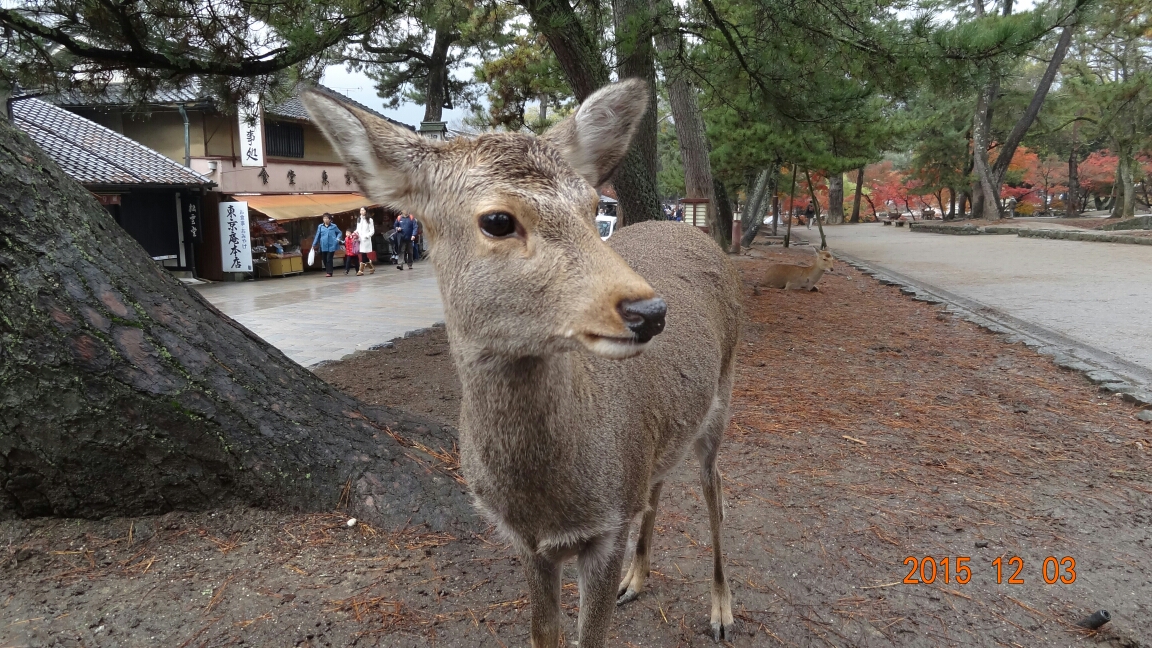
(1099,294)
(312,318)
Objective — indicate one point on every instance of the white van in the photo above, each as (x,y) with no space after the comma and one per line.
(606,224)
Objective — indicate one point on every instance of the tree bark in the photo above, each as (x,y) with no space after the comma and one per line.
(724,212)
(835,199)
(984,196)
(689,122)
(1125,188)
(436,96)
(1012,142)
(1072,207)
(752,218)
(126,393)
(635,180)
(576,51)
(584,68)
(856,198)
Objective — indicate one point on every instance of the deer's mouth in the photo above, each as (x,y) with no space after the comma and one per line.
(615,347)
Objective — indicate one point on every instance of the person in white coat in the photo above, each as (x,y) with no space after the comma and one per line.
(365,227)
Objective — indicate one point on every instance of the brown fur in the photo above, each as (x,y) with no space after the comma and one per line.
(797,277)
(567,429)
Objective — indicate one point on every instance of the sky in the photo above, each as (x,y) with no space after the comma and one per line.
(358,86)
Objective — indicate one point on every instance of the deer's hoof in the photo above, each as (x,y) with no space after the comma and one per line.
(723,631)
(627,596)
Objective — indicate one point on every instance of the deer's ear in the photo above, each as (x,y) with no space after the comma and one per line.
(382,157)
(594,140)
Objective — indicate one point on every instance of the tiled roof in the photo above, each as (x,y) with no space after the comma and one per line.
(114,95)
(94,155)
(293,109)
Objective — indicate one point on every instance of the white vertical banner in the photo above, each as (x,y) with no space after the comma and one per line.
(235,243)
(251,132)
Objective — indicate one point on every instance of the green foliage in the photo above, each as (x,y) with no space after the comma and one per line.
(233,46)
(431,37)
(520,70)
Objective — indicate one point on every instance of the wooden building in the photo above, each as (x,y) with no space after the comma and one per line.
(155,199)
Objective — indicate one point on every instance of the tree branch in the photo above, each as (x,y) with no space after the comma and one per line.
(145,58)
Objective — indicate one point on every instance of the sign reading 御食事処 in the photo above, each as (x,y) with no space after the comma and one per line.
(251,132)
(235,245)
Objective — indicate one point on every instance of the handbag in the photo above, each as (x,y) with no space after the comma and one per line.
(312,256)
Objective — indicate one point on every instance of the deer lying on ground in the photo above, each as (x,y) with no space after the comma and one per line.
(574,409)
(791,276)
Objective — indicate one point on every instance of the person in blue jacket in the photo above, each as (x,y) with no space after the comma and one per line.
(328,239)
(406,227)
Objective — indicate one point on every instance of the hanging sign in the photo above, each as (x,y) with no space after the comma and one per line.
(193,225)
(235,244)
(251,132)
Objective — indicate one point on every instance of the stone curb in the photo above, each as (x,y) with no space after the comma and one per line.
(1023,232)
(1063,352)
(376,347)
(1069,235)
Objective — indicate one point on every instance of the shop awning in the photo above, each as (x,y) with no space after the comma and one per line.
(297,206)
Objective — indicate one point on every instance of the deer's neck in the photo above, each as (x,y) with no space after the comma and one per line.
(523,399)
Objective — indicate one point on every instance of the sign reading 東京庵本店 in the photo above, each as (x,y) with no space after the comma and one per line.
(235,245)
(251,132)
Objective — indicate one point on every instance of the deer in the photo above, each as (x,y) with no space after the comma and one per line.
(792,276)
(589,369)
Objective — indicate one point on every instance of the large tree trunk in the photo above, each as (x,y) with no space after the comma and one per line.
(436,96)
(1073,205)
(835,199)
(126,393)
(856,198)
(635,180)
(584,68)
(984,196)
(1125,204)
(576,51)
(689,122)
(1012,142)
(753,216)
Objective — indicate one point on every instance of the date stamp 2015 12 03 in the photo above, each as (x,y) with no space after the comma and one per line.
(929,569)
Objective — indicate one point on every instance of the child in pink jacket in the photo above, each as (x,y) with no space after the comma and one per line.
(352,252)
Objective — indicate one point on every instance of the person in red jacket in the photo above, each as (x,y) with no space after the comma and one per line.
(352,252)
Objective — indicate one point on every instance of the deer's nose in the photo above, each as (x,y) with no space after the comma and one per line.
(645,318)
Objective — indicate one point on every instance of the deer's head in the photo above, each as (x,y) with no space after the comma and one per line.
(510,218)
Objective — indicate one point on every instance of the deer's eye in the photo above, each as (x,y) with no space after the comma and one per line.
(498,224)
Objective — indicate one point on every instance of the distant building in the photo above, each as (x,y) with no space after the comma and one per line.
(153,198)
(275,159)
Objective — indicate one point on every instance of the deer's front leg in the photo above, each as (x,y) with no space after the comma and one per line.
(599,566)
(543,574)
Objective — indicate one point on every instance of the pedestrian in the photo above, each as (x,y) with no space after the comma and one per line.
(328,239)
(406,228)
(809,214)
(365,228)
(352,252)
(418,240)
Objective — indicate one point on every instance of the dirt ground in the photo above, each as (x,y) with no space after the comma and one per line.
(868,429)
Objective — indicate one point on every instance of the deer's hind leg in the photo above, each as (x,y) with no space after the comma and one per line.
(633,582)
(707,451)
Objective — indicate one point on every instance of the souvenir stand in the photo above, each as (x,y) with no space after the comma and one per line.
(272,254)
